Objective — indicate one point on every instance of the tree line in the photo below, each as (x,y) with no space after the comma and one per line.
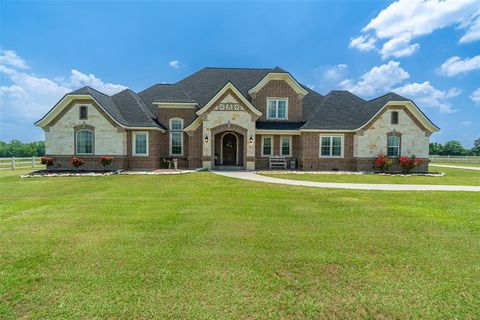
(454,148)
(16,148)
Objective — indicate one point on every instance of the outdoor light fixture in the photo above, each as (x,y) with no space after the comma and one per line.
(206,138)
(251,139)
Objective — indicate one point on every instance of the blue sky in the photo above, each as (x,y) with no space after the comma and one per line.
(427,51)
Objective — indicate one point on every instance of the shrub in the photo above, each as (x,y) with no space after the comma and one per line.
(46,161)
(409,163)
(106,161)
(77,162)
(383,162)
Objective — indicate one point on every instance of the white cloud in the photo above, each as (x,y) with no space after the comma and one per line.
(379,79)
(475,96)
(311,86)
(466,123)
(78,79)
(335,73)
(10,58)
(425,95)
(455,65)
(453,92)
(363,43)
(174,64)
(29,96)
(473,30)
(399,47)
(405,20)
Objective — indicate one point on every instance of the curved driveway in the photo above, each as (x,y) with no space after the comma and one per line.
(252,176)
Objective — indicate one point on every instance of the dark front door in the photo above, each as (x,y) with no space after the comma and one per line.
(229,153)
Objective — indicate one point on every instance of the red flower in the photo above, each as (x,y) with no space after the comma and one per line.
(106,161)
(383,162)
(77,162)
(46,161)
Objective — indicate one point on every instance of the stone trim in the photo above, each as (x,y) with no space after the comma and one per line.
(83,102)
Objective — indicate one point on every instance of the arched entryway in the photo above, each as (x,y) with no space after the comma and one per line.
(229,149)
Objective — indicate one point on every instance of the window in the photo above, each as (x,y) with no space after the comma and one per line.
(394,117)
(331,146)
(277,109)
(286,146)
(84,142)
(267,146)
(140,143)
(393,146)
(83,113)
(176,137)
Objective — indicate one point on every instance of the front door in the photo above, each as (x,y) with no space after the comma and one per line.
(229,152)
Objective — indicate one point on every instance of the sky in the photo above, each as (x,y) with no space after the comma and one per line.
(428,51)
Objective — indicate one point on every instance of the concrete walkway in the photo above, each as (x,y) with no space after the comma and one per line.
(252,176)
(454,166)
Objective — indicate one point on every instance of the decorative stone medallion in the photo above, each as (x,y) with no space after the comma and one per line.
(229,107)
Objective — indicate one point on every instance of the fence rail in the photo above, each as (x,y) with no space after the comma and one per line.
(457,159)
(19,163)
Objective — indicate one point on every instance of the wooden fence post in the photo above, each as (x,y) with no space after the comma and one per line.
(13,163)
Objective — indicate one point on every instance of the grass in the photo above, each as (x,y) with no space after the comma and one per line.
(452,177)
(209,247)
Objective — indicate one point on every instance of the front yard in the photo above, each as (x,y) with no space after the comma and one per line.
(452,177)
(203,246)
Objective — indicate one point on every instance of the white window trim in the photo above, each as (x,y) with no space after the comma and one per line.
(397,147)
(276,112)
(76,142)
(289,146)
(272,146)
(331,145)
(170,138)
(134,147)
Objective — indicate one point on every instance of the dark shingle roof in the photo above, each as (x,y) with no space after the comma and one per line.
(338,110)
(125,107)
(279,125)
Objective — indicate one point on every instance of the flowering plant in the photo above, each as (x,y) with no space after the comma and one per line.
(77,162)
(46,161)
(383,162)
(409,163)
(106,161)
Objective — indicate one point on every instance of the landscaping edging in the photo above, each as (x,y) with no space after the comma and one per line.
(393,174)
(99,173)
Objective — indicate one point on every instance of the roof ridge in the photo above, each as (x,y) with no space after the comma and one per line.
(240,68)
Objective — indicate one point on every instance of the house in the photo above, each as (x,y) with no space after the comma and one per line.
(227,117)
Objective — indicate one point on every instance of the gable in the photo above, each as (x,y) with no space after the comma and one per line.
(229,99)
(278,76)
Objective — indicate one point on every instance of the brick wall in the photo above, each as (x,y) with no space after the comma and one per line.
(279,89)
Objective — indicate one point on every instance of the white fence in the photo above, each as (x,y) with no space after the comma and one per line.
(457,159)
(20,163)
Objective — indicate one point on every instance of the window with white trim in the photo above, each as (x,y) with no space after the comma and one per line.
(140,143)
(176,137)
(286,146)
(393,146)
(331,146)
(277,108)
(267,146)
(84,142)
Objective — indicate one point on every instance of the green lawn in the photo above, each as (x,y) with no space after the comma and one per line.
(210,247)
(452,177)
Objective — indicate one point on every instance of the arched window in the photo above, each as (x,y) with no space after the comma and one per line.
(84,142)
(176,137)
(393,146)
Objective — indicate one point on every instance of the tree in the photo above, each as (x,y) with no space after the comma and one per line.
(16,148)
(435,148)
(454,148)
(476,148)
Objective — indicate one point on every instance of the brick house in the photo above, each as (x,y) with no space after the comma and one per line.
(225,117)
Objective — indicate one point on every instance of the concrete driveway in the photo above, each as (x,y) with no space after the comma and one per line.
(252,176)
